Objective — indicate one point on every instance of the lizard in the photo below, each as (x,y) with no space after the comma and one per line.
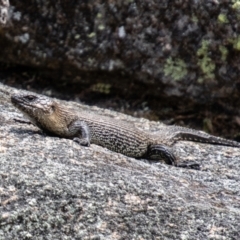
(84,128)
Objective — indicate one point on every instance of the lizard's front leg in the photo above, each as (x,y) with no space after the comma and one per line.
(81,132)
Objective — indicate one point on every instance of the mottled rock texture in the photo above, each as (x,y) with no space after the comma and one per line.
(52,188)
(184,48)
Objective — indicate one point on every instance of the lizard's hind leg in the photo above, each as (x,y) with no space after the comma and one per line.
(158,152)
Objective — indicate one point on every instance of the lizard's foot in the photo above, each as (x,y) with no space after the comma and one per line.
(82,141)
(157,152)
(189,165)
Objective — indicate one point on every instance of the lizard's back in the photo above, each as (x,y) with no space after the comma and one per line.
(116,135)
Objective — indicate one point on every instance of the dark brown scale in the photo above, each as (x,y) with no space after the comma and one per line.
(118,137)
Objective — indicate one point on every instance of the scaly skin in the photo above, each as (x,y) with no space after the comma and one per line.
(85,128)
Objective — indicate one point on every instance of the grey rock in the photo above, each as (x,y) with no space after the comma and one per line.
(52,188)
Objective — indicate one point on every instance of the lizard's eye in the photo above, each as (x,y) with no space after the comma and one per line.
(30,98)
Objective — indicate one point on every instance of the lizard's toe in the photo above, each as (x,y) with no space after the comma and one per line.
(189,165)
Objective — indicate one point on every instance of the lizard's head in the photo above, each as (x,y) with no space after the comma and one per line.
(35,107)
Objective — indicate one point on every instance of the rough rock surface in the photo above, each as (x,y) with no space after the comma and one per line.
(185,48)
(52,188)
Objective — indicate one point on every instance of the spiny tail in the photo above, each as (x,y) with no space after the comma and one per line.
(205,138)
(178,133)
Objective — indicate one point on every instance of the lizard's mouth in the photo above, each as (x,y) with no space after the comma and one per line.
(19,102)
(24,106)
(16,101)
